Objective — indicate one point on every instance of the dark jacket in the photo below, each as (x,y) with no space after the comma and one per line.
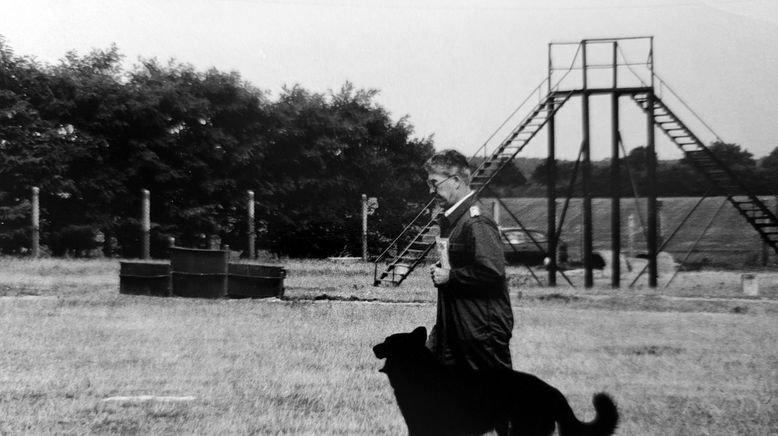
(474,316)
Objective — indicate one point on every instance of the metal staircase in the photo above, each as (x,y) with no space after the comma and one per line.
(719,174)
(410,248)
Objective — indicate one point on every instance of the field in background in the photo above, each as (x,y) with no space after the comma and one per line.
(730,242)
(697,358)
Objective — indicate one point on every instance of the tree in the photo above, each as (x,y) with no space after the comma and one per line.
(637,159)
(770,162)
(508,182)
(768,173)
(326,150)
(91,136)
(733,155)
(34,150)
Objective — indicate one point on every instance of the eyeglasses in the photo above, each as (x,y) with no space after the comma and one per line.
(434,185)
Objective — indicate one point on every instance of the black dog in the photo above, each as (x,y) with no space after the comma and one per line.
(438,400)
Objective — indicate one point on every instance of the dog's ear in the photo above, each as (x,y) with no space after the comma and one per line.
(419,334)
(380,350)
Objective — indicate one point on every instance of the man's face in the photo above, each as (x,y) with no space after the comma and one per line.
(444,187)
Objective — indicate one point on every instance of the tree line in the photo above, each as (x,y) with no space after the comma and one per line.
(91,134)
(674,178)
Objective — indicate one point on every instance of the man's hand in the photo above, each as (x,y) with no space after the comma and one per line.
(439,275)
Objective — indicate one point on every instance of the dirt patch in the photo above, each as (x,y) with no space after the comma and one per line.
(556,297)
(645,350)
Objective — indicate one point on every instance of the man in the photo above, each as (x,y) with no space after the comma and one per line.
(474,316)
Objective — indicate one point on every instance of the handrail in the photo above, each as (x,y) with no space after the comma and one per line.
(405,230)
(539,90)
(600,40)
(663,84)
(486,143)
(536,89)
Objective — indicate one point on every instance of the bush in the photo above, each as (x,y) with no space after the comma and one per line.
(317,240)
(15,241)
(128,234)
(128,237)
(77,240)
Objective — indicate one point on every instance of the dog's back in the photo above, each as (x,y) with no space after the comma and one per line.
(440,400)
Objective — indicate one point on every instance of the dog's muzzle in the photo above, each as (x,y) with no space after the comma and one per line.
(380,352)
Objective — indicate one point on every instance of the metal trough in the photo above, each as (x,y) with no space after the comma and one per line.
(144,278)
(197,273)
(246,280)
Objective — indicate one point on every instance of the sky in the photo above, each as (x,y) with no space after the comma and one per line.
(456,68)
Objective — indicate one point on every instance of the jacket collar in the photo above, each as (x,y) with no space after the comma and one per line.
(459,209)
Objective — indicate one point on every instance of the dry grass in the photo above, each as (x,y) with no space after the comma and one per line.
(301,366)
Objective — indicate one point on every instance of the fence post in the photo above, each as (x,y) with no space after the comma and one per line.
(765,247)
(659,221)
(146,224)
(250,230)
(36,225)
(364,227)
(631,234)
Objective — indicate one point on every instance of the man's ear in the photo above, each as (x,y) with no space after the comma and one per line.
(420,334)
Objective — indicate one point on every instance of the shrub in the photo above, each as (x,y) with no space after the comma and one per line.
(79,240)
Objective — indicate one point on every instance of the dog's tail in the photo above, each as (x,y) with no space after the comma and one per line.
(604,424)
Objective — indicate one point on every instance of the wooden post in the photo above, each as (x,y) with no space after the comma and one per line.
(765,251)
(653,271)
(615,178)
(586,179)
(36,225)
(659,222)
(651,205)
(146,224)
(553,238)
(364,227)
(765,247)
(251,235)
(631,229)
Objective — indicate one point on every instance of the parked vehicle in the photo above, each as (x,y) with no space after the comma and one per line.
(520,250)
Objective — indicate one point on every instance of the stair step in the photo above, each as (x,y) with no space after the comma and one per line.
(415,253)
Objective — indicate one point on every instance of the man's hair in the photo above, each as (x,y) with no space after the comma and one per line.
(449,163)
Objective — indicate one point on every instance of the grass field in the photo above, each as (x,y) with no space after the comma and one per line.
(730,242)
(698,358)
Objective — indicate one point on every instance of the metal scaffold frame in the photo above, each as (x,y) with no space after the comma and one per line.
(615,91)
(409,249)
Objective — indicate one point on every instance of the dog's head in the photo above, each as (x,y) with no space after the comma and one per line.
(401,346)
